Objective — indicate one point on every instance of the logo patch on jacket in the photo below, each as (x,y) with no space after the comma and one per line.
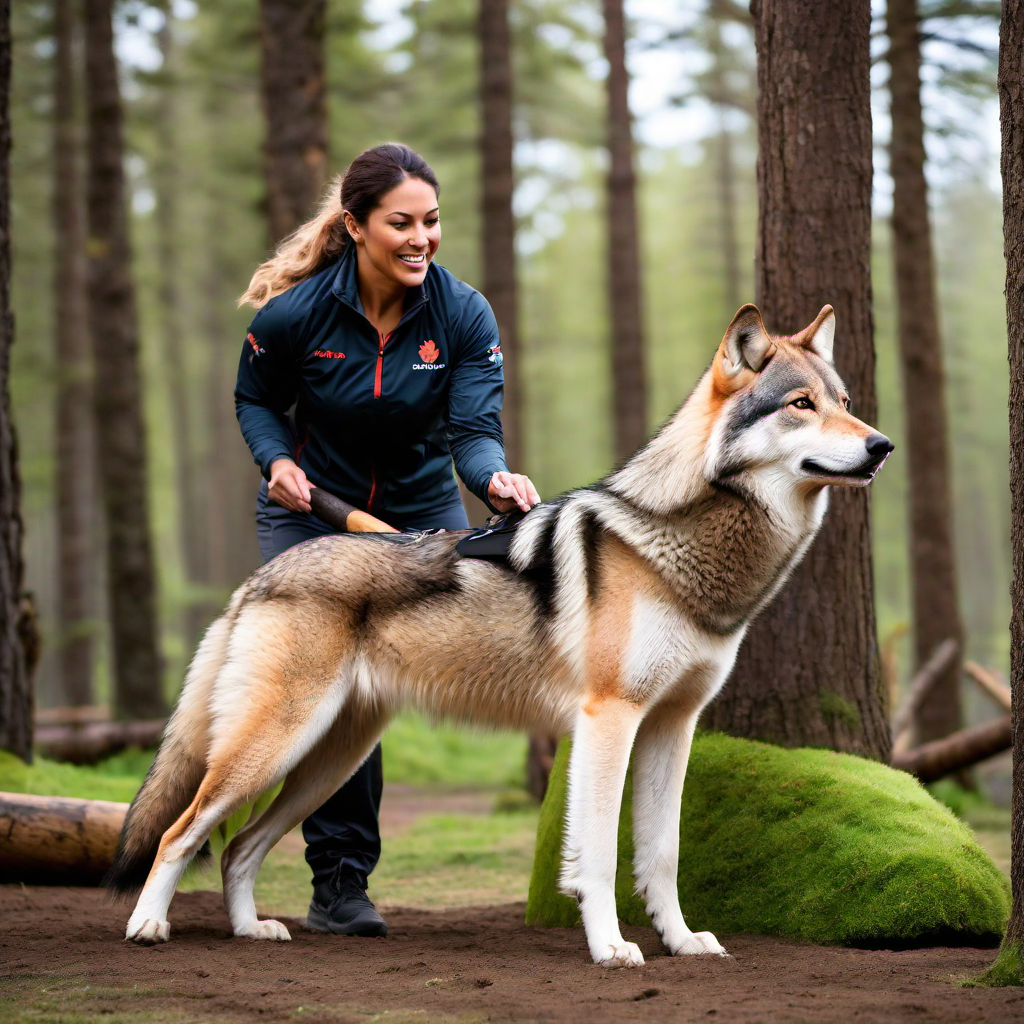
(326,353)
(495,356)
(429,353)
(257,350)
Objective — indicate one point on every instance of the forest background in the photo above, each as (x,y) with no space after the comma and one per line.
(410,72)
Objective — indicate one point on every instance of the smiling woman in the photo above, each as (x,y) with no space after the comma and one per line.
(351,311)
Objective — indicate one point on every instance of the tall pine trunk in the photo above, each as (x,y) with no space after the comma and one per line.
(1011,105)
(120,434)
(497,222)
(176,342)
(808,672)
(932,565)
(77,565)
(15,681)
(725,162)
(629,386)
(292,77)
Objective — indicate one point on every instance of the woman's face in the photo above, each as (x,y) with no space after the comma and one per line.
(400,237)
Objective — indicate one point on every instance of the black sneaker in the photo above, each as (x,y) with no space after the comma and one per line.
(341,906)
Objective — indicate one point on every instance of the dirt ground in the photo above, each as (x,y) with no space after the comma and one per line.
(63,959)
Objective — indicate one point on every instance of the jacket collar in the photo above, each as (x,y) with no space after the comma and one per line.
(346,284)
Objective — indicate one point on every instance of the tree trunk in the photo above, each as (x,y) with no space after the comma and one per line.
(178,352)
(497,224)
(808,672)
(120,434)
(15,681)
(292,75)
(629,385)
(936,613)
(726,164)
(1011,105)
(77,565)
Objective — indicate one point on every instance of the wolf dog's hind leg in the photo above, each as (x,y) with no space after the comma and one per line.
(660,755)
(253,747)
(602,738)
(319,774)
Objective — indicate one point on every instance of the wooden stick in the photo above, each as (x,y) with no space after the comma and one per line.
(990,682)
(52,840)
(933,760)
(925,678)
(343,516)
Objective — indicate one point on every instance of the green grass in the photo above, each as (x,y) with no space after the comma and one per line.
(806,843)
(440,861)
(1008,969)
(414,752)
(116,779)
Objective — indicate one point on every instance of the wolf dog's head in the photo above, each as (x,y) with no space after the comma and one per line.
(784,410)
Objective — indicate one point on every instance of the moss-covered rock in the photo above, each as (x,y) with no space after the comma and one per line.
(806,843)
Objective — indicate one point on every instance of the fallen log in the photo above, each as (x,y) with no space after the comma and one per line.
(924,679)
(89,741)
(990,682)
(932,761)
(50,840)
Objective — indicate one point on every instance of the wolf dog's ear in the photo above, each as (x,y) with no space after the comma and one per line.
(819,336)
(746,342)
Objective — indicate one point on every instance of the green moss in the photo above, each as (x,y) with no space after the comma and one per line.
(807,843)
(838,710)
(1007,969)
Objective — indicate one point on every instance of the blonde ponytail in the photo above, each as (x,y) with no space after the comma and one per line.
(303,252)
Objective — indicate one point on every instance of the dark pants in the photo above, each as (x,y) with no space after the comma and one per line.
(343,831)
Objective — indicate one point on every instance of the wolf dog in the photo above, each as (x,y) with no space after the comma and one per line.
(616,618)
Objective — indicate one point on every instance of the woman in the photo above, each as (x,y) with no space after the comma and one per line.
(393,367)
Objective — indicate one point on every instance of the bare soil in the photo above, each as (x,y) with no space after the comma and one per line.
(63,958)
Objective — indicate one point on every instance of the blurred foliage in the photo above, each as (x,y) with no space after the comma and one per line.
(414,78)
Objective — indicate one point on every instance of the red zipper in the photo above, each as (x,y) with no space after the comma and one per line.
(380,362)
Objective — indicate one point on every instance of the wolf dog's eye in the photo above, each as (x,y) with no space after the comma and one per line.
(803,402)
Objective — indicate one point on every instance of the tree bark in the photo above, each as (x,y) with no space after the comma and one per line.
(15,681)
(1011,106)
(808,673)
(176,342)
(77,566)
(120,432)
(726,183)
(56,840)
(497,241)
(294,105)
(629,384)
(956,752)
(936,612)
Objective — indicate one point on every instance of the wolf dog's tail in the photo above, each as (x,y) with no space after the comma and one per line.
(176,772)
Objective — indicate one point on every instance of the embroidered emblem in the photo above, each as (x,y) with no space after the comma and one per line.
(257,350)
(495,356)
(326,353)
(429,352)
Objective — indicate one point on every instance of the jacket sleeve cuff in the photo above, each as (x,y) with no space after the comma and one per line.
(270,459)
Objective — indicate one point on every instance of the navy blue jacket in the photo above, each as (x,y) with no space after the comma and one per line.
(378,419)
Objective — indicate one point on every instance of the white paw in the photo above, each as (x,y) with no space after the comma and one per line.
(148,932)
(273,930)
(697,944)
(620,954)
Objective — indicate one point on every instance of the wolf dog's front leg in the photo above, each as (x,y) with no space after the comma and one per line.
(602,738)
(659,768)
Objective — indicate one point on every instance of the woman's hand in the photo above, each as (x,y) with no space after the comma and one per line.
(507,491)
(288,485)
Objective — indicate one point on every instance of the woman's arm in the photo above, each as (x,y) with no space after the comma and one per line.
(474,413)
(266,388)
